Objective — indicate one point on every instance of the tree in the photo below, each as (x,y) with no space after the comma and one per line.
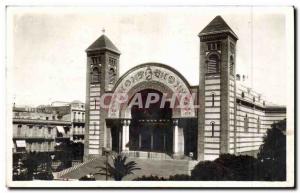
(119,168)
(272,153)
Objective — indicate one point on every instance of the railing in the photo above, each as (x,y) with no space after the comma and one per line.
(78,120)
(78,132)
(28,136)
(40,121)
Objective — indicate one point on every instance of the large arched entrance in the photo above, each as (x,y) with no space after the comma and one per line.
(151,127)
(155,131)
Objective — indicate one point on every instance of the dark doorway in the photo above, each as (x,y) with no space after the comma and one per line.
(151,127)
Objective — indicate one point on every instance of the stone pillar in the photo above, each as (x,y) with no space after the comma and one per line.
(108,138)
(175,137)
(125,135)
(178,140)
(140,141)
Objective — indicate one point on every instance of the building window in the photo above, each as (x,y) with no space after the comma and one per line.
(258,125)
(254,99)
(212,99)
(74,115)
(243,95)
(49,130)
(231,67)
(79,116)
(246,120)
(213,64)
(95,75)
(19,130)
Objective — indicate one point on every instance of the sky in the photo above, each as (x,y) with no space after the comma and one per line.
(47,59)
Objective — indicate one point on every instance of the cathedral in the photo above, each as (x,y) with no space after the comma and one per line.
(220,116)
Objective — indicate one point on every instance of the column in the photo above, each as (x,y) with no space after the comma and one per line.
(140,141)
(175,136)
(178,139)
(151,139)
(108,137)
(125,135)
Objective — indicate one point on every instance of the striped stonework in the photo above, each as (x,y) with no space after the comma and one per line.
(212,117)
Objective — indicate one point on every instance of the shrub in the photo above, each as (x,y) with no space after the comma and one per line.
(150,178)
(242,167)
(180,177)
(211,171)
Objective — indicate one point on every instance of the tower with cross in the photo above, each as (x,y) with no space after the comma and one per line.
(102,74)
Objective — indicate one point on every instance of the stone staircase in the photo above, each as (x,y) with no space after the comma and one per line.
(155,167)
(147,155)
(161,168)
(80,170)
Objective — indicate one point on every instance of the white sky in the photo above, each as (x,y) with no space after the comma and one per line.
(47,60)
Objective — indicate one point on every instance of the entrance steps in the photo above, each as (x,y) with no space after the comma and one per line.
(148,155)
(162,168)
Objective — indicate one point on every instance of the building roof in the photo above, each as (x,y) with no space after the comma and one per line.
(217,25)
(103,43)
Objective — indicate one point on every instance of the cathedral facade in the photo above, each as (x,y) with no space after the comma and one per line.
(219,115)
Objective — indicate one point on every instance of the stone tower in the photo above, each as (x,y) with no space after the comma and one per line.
(216,118)
(102,74)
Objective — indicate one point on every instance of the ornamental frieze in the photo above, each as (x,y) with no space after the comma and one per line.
(147,75)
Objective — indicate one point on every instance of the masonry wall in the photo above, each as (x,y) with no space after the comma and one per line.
(253,119)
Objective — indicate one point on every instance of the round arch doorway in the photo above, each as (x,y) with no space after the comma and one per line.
(151,126)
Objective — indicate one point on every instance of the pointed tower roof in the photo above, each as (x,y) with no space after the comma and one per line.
(103,43)
(217,25)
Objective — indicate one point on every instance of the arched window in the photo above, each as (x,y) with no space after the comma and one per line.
(213,64)
(243,94)
(95,75)
(112,75)
(231,66)
(212,128)
(212,99)
(246,123)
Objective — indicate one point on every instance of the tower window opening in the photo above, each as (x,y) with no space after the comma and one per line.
(96,60)
(231,66)
(214,46)
(212,128)
(95,75)
(213,100)
(246,123)
(213,64)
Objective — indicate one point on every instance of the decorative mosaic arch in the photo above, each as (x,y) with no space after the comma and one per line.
(152,76)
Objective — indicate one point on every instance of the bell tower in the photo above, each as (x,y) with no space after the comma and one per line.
(216,121)
(101,76)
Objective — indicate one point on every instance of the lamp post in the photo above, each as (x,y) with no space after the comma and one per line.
(52,159)
(106,153)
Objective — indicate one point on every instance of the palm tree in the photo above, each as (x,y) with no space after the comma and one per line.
(119,168)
